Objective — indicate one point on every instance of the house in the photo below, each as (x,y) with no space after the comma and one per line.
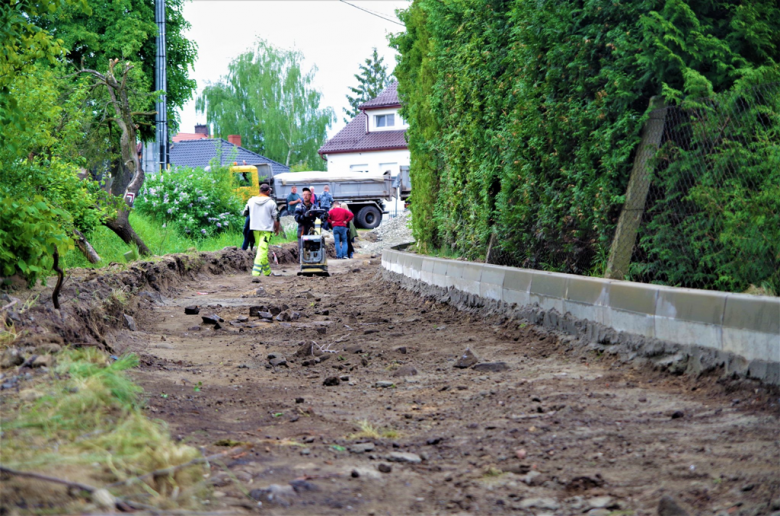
(374,141)
(199,153)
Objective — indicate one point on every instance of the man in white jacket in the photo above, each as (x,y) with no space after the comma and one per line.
(263,220)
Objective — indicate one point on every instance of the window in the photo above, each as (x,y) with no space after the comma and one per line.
(385,120)
(244,179)
(359,168)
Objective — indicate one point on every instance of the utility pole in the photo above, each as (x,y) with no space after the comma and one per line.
(161,84)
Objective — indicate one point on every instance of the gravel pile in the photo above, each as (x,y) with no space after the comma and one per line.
(390,233)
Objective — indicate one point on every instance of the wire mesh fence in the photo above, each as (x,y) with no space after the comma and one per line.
(702,207)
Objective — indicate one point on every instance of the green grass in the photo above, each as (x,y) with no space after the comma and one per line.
(87,419)
(159,240)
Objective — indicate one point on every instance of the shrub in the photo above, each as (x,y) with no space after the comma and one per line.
(196,203)
(30,231)
(524,118)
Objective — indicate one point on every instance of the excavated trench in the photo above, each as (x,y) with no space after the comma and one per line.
(348,392)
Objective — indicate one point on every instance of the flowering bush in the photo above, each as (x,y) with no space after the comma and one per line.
(193,201)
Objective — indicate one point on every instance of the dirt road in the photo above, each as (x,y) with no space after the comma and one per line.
(406,432)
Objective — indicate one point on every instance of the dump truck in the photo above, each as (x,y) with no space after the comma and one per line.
(364,193)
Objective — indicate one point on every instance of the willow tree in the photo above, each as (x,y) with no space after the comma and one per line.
(269,100)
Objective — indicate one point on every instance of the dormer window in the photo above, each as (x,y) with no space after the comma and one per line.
(385,120)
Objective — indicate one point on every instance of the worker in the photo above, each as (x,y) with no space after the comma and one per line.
(293,200)
(339,219)
(304,215)
(326,199)
(352,234)
(263,221)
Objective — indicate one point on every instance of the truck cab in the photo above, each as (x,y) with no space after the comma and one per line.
(249,178)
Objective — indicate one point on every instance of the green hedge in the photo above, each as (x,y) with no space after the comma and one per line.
(525,116)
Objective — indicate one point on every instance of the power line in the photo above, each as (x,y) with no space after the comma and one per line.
(372,13)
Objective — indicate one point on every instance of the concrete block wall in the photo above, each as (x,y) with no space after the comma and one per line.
(741,325)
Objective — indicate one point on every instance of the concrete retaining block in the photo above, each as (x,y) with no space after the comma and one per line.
(548,290)
(516,288)
(588,299)
(693,329)
(492,282)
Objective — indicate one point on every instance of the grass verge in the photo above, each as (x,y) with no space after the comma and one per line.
(83,422)
(160,240)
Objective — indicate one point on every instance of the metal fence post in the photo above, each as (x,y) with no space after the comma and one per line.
(636,193)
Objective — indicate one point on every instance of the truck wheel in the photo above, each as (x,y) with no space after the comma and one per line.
(284,212)
(368,217)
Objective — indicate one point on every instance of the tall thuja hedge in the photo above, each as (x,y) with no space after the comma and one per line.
(533,111)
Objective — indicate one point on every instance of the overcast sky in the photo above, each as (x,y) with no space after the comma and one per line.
(332,35)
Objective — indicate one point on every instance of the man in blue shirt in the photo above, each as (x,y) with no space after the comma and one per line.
(326,199)
(293,200)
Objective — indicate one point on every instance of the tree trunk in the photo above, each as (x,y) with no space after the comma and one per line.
(129,176)
(85,247)
(121,226)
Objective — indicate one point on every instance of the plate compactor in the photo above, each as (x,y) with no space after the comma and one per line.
(314,261)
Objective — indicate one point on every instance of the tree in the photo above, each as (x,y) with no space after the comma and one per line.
(126,30)
(270,102)
(372,79)
(128,178)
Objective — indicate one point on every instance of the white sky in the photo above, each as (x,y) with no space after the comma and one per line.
(332,35)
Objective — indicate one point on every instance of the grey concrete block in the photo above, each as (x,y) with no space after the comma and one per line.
(517,283)
(492,282)
(548,290)
(588,298)
(701,306)
(426,272)
(751,344)
(439,273)
(758,313)
(633,297)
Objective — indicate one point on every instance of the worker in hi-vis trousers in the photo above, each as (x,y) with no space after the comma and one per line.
(263,221)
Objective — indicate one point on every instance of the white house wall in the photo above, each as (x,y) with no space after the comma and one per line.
(375,161)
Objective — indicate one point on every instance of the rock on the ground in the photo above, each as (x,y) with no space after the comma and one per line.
(212,319)
(539,503)
(668,507)
(384,384)
(384,468)
(491,367)
(601,502)
(192,310)
(11,357)
(272,492)
(411,458)
(467,359)
(129,322)
(406,370)
(331,381)
(42,361)
(362,447)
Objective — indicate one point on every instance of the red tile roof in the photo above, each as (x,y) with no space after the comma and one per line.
(353,138)
(388,98)
(181,137)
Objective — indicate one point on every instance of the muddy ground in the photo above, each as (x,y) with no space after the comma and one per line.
(398,429)
(557,432)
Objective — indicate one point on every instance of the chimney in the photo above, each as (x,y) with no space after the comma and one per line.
(202,129)
(235,139)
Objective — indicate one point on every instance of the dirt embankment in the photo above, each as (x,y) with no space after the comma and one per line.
(347,388)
